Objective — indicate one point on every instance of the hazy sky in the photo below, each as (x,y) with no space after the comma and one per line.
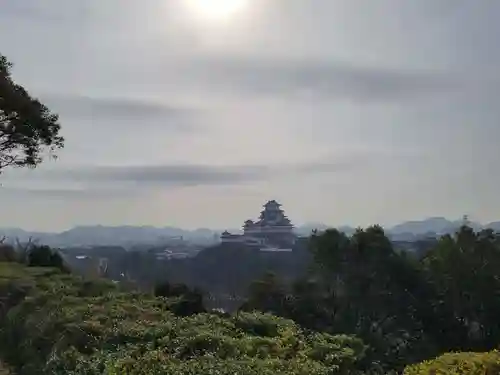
(347,112)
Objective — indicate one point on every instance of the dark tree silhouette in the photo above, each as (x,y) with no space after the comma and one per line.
(44,256)
(189,301)
(28,129)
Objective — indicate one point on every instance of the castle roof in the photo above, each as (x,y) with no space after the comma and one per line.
(272,203)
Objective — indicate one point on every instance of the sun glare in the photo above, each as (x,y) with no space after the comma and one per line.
(217,9)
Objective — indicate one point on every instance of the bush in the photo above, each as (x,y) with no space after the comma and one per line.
(33,256)
(44,256)
(459,364)
(183,301)
(7,253)
(66,325)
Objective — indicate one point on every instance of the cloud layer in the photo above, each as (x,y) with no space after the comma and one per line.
(346,116)
(321,80)
(142,177)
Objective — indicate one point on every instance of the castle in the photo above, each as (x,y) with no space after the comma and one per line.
(273,231)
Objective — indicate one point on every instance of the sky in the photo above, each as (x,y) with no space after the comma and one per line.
(346,112)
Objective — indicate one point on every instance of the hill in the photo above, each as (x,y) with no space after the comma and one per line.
(55,322)
(63,324)
(130,236)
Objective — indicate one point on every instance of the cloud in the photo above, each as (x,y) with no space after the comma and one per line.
(110,182)
(169,175)
(30,10)
(122,109)
(63,193)
(318,79)
(127,178)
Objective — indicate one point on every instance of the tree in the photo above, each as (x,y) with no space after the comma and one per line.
(267,295)
(44,256)
(7,253)
(27,127)
(371,290)
(187,301)
(465,272)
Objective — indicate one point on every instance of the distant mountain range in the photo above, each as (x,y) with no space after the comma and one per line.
(100,235)
(132,235)
(412,229)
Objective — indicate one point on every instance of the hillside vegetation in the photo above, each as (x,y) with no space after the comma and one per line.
(55,323)
(459,364)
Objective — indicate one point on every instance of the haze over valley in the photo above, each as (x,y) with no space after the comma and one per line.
(147,235)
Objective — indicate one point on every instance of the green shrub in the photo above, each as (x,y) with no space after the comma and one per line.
(261,324)
(7,253)
(44,256)
(459,364)
(66,325)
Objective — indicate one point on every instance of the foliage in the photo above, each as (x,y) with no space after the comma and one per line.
(33,255)
(68,325)
(363,286)
(7,253)
(465,270)
(188,302)
(241,266)
(44,256)
(360,290)
(404,307)
(267,294)
(459,364)
(27,127)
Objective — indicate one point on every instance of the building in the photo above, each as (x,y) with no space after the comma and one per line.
(272,230)
(168,254)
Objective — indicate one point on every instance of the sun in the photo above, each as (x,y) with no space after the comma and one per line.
(217,9)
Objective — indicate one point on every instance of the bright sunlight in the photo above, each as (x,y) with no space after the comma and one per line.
(217,10)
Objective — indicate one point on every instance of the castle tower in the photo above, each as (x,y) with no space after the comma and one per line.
(273,228)
(273,216)
(274,225)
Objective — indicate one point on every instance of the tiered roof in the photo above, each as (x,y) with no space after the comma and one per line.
(272,215)
(272,208)
(272,203)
